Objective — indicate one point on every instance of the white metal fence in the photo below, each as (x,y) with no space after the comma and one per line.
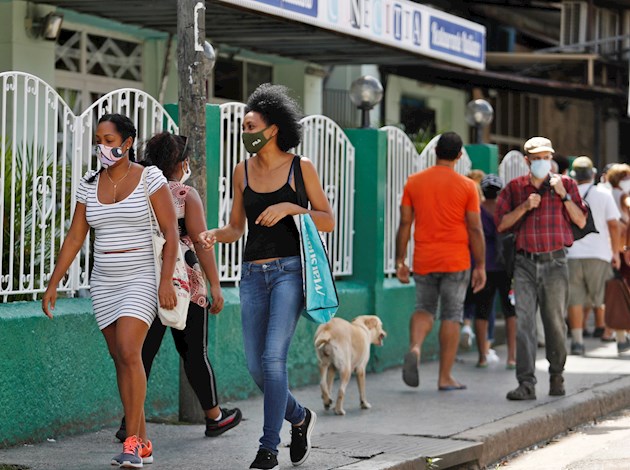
(512,166)
(402,161)
(427,158)
(229,256)
(325,143)
(44,151)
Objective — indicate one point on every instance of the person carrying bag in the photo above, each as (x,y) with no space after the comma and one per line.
(321,301)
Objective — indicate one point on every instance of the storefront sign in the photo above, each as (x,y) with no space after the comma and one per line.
(397,23)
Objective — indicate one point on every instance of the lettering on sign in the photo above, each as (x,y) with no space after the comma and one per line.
(317,277)
(402,24)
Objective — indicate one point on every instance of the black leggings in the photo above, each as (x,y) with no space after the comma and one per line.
(496,280)
(192,345)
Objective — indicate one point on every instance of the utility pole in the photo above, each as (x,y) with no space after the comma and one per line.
(192,73)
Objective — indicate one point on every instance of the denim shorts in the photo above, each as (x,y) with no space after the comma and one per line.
(447,289)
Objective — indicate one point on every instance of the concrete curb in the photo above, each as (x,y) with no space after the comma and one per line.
(522,430)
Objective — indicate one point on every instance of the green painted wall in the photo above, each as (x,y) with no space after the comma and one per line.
(57,377)
(484,157)
(19,50)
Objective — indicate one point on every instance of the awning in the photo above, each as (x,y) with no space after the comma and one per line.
(237,26)
(251,30)
(447,75)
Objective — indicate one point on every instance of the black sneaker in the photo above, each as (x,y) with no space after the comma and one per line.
(577,349)
(121,434)
(598,332)
(301,438)
(229,419)
(265,460)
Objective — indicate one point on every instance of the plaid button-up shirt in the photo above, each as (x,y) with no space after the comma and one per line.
(546,228)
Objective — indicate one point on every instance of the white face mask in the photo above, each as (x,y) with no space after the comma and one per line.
(540,168)
(625,186)
(187,173)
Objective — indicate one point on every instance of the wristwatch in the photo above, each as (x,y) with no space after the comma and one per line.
(567,197)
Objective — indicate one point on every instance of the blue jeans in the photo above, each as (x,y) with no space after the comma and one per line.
(272,300)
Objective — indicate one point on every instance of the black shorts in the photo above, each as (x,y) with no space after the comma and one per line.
(496,280)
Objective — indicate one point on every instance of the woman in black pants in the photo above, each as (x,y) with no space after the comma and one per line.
(169,153)
(497,279)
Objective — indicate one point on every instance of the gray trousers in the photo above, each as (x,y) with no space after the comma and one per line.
(544,284)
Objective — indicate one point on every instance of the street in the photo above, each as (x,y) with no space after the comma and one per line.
(599,446)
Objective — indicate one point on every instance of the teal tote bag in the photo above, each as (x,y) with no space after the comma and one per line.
(320,294)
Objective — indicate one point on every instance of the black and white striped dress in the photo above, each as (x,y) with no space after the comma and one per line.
(122,284)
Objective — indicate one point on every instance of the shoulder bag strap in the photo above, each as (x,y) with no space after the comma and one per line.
(300,188)
(587,191)
(152,215)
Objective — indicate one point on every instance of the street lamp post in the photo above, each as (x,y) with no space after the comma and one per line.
(479,113)
(366,92)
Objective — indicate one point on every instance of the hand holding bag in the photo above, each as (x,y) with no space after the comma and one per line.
(175,318)
(320,294)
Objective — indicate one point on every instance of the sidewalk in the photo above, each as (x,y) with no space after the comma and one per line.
(403,428)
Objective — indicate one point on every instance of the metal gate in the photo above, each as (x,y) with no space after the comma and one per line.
(45,150)
(325,143)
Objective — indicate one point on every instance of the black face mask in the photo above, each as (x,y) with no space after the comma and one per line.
(491,192)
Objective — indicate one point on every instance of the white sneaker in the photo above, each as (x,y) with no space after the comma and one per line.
(466,337)
(492,357)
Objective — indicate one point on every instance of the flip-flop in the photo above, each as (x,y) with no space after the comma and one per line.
(510,366)
(448,388)
(410,369)
(482,365)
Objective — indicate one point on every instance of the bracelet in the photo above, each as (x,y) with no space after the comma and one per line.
(400,264)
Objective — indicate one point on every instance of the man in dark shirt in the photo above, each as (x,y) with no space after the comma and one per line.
(539,208)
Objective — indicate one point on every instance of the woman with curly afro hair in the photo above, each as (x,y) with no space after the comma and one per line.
(271,278)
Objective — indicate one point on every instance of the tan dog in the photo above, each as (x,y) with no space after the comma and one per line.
(345,347)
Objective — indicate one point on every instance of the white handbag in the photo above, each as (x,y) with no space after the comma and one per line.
(175,318)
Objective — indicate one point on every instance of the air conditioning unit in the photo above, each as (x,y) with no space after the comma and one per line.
(573,24)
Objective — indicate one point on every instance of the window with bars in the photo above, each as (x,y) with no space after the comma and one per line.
(607,25)
(516,119)
(236,79)
(87,53)
(89,64)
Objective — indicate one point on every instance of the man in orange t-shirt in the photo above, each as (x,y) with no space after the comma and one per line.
(447,227)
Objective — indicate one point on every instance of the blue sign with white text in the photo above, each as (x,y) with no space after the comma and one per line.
(305,7)
(456,40)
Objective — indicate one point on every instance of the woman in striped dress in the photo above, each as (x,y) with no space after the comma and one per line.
(113,201)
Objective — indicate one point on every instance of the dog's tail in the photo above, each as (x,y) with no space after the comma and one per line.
(322,343)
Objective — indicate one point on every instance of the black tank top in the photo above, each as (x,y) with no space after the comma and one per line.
(278,241)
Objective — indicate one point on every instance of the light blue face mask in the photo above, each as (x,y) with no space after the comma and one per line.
(540,168)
